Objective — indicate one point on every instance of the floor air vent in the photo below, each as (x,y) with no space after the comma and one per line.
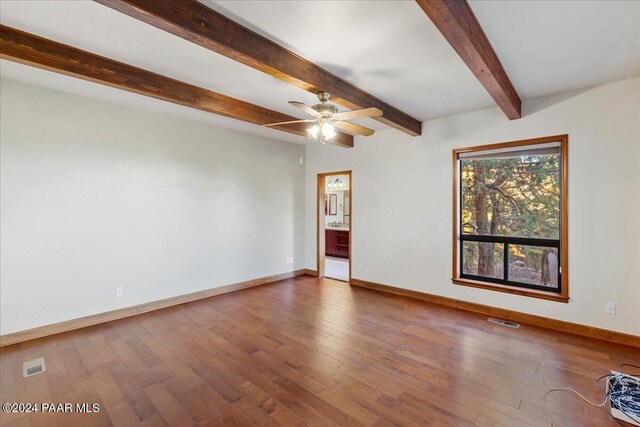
(33,367)
(504,323)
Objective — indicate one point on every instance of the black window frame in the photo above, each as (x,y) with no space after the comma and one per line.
(506,241)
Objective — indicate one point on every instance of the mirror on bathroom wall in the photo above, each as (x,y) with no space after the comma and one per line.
(333,204)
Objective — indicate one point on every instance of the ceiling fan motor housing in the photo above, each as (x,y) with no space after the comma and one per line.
(325,109)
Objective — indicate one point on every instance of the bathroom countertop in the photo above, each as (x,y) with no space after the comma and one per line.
(330,227)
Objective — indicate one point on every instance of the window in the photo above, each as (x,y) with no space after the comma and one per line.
(510,217)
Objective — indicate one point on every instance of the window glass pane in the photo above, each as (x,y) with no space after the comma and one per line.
(517,196)
(483,259)
(534,265)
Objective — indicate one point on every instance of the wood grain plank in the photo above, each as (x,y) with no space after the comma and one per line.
(29,49)
(327,354)
(458,24)
(197,23)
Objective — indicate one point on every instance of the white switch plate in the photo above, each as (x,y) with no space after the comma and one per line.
(119,291)
(610,308)
(289,260)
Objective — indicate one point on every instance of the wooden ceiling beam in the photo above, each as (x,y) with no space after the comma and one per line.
(29,49)
(199,24)
(458,24)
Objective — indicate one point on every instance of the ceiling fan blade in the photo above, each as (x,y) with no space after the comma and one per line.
(352,127)
(358,114)
(286,123)
(305,108)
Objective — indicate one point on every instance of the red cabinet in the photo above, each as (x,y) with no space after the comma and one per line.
(337,243)
(330,242)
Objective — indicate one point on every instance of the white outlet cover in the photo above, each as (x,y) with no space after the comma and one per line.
(119,291)
(610,308)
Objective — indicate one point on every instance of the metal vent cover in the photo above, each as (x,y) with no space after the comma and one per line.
(504,323)
(33,367)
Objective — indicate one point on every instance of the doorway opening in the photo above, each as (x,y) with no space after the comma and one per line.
(335,192)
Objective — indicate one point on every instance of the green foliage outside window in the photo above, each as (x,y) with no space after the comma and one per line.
(515,196)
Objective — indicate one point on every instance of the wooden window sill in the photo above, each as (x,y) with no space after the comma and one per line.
(551,296)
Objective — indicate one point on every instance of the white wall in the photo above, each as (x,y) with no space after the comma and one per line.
(401,194)
(95,196)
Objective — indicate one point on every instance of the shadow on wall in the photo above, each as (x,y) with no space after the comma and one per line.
(535,105)
(484,120)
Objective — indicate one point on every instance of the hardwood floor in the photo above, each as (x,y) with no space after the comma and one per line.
(307,351)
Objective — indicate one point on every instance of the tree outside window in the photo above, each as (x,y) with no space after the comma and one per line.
(510,202)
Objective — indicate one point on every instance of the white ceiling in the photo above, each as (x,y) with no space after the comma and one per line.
(555,46)
(388,48)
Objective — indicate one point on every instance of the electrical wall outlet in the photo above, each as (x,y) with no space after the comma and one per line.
(610,308)
(289,260)
(414,276)
(301,160)
(119,291)
(360,267)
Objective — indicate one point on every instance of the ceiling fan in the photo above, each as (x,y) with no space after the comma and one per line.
(326,118)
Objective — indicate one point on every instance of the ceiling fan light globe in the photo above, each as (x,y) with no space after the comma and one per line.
(328,131)
(313,131)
